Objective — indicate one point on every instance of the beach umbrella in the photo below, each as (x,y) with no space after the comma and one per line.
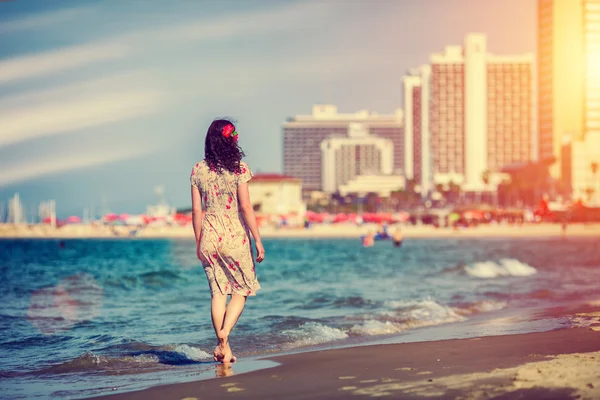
(111,217)
(73,219)
(386,217)
(401,216)
(341,217)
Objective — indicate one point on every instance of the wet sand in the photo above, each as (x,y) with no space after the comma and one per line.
(560,364)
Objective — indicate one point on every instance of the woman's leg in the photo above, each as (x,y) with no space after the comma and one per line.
(232,314)
(218,307)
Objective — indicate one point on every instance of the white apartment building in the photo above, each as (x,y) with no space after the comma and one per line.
(15,211)
(418,161)
(584,153)
(569,91)
(303,134)
(383,185)
(276,194)
(467,112)
(358,153)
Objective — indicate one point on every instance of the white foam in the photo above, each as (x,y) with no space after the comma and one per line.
(406,314)
(193,353)
(480,306)
(143,359)
(505,267)
(373,327)
(426,310)
(311,333)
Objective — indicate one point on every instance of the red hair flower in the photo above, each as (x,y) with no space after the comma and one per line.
(229,132)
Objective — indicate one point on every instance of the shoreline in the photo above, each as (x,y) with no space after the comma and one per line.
(562,363)
(90,231)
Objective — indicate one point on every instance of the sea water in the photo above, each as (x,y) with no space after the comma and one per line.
(81,318)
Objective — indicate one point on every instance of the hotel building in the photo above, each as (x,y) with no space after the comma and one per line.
(560,78)
(418,165)
(343,158)
(466,112)
(303,134)
(569,89)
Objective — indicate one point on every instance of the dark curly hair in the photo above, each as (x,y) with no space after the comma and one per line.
(220,152)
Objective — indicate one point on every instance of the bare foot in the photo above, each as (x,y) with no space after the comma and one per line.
(218,353)
(227,355)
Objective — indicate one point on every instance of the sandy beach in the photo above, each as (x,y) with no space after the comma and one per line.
(560,364)
(316,231)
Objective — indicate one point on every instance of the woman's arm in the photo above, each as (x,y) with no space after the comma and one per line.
(250,218)
(197,214)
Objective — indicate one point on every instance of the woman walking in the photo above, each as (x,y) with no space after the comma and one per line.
(223,229)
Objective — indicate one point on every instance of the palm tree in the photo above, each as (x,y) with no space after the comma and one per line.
(454,190)
(485,177)
(589,191)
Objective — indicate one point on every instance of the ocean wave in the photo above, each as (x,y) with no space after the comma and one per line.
(336,302)
(374,327)
(505,267)
(426,311)
(312,333)
(480,306)
(152,279)
(402,315)
(131,362)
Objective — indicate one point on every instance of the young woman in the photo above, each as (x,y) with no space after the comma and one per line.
(222,230)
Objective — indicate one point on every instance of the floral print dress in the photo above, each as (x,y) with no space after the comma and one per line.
(225,245)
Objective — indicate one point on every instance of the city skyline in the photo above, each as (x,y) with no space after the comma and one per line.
(144,91)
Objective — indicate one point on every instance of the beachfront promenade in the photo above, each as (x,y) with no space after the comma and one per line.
(315,231)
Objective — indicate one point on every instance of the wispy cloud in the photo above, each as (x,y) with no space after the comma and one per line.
(288,17)
(25,123)
(43,20)
(147,40)
(30,170)
(127,80)
(54,61)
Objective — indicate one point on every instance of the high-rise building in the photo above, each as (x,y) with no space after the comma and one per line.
(591,89)
(417,92)
(569,89)
(47,212)
(16,211)
(560,77)
(359,153)
(303,134)
(469,111)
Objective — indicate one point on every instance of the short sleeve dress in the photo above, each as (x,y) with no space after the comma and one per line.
(225,246)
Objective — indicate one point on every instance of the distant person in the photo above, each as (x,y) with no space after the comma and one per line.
(397,237)
(369,239)
(223,241)
(565,225)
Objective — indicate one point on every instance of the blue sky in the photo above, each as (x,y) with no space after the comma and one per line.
(103,100)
